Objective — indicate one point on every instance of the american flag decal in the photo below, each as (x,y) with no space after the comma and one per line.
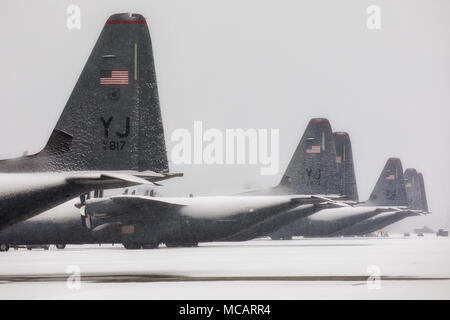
(390,177)
(109,77)
(313,149)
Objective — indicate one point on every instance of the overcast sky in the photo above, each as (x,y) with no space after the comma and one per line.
(254,64)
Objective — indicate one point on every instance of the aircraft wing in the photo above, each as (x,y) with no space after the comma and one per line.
(148,201)
(319,199)
(127,178)
(199,206)
(412,212)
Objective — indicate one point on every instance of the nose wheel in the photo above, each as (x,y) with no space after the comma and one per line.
(4,247)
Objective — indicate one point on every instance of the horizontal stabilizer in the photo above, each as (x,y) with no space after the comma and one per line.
(121,179)
(320,199)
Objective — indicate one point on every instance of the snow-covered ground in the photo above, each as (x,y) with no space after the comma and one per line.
(343,268)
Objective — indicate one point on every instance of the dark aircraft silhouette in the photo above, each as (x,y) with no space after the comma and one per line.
(109,134)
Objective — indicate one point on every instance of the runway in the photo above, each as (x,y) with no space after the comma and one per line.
(342,268)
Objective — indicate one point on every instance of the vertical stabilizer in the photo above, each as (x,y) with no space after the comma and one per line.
(112,120)
(346,169)
(423,195)
(412,185)
(313,168)
(390,187)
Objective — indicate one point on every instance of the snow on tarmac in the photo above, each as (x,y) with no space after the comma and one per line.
(343,258)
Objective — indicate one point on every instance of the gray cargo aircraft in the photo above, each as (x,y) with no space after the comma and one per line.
(186,221)
(348,181)
(414,196)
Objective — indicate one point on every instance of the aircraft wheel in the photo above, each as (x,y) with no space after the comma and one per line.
(171,244)
(131,246)
(181,244)
(46,247)
(191,244)
(4,247)
(153,245)
(60,246)
(29,248)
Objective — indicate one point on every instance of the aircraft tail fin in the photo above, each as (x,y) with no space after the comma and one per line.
(346,169)
(313,168)
(390,187)
(112,120)
(423,195)
(413,192)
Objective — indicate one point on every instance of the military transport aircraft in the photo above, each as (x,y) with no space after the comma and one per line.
(187,221)
(109,134)
(312,170)
(416,207)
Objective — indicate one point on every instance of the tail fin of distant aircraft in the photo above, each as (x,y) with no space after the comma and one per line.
(313,168)
(112,120)
(413,192)
(344,160)
(390,187)
(424,206)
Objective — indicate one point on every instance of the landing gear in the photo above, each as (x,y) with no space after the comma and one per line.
(152,245)
(281,237)
(191,244)
(60,246)
(135,246)
(37,246)
(170,244)
(4,247)
(131,246)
